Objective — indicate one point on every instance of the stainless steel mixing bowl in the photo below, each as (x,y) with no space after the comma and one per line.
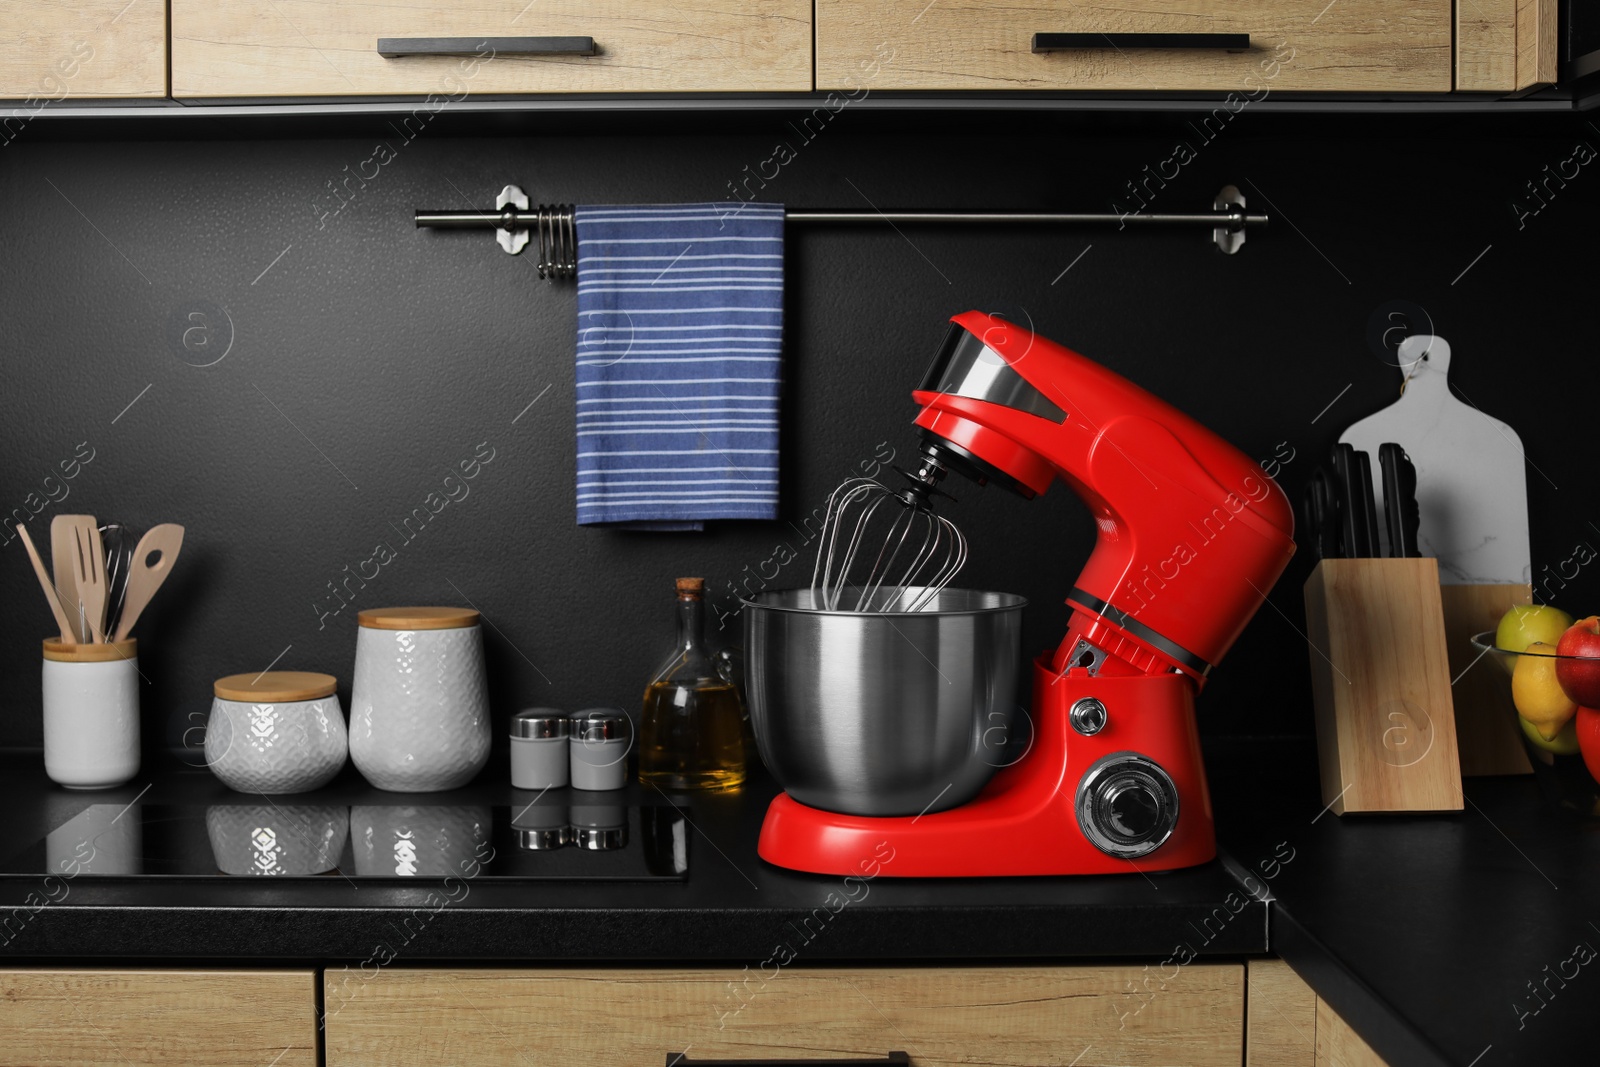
(883,713)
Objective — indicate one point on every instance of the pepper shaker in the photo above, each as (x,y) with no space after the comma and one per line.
(599,747)
(539,758)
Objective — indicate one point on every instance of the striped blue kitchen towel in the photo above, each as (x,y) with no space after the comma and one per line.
(680,336)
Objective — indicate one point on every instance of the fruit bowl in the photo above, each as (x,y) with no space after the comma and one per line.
(1562,763)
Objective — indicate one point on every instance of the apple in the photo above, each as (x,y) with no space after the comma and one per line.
(1588,725)
(1526,623)
(1579,669)
(1565,743)
(1538,694)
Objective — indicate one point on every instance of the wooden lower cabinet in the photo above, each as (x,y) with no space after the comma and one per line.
(1290,1026)
(126,1018)
(940,1016)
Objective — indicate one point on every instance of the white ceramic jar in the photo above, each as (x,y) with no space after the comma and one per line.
(419,702)
(275,732)
(91,713)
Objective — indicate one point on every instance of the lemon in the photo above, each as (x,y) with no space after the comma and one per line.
(1526,623)
(1565,742)
(1538,694)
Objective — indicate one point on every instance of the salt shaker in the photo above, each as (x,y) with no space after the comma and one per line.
(419,703)
(91,713)
(539,757)
(599,747)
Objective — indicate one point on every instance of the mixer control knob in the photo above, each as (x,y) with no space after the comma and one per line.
(1088,716)
(1127,805)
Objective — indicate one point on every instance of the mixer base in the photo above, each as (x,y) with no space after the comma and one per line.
(1025,822)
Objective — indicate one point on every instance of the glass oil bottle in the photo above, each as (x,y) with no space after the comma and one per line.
(692,728)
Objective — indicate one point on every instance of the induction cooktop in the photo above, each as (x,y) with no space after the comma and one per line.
(565,835)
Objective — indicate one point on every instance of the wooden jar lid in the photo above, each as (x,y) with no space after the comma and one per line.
(275,687)
(101,653)
(417,618)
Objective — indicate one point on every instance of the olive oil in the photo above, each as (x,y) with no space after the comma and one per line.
(692,731)
(693,737)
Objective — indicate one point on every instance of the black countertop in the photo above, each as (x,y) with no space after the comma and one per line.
(731,907)
(1428,934)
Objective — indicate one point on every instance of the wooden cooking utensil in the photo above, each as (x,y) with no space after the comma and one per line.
(68,631)
(64,569)
(144,577)
(91,563)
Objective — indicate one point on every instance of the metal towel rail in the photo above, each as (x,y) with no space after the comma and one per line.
(517,223)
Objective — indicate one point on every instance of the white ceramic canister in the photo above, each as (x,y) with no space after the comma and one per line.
(275,731)
(419,703)
(91,713)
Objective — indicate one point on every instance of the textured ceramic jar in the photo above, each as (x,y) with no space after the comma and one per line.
(275,732)
(419,703)
(91,713)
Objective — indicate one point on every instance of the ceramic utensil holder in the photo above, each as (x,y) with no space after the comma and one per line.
(275,732)
(419,702)
(91,713)
(1386,737)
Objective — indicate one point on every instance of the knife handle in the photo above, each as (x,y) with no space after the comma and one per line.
(1388,463)
(1402,515)
(1352,524)
(1362,467)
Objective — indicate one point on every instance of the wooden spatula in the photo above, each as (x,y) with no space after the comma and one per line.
(152,561)
(78,560)
(68,631)
(64,569)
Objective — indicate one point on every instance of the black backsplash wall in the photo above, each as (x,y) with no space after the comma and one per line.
(365,359)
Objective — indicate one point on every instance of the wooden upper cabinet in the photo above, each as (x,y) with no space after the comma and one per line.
(1294,45)
(86,49)
(289,48)
(1505,45)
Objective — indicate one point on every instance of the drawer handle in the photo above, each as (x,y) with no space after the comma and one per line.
(1053,42)
(893,1059)
(394,47)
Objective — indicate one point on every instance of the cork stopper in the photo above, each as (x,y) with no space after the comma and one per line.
(691,587)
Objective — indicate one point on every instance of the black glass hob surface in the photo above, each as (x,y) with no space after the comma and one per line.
(557,838)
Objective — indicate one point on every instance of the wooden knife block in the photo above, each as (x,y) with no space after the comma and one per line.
(1380,672)
(1486,731)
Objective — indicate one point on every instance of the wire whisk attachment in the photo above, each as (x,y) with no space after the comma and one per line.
(883,550)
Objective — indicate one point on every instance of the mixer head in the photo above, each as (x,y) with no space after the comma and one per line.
(884,549)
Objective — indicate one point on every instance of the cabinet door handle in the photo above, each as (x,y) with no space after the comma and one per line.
(394,47)
(892,1059)
(1052,42)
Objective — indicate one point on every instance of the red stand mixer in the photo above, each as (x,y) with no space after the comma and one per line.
(1192,536)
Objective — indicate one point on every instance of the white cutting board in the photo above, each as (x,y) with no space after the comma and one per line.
(1472,484)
